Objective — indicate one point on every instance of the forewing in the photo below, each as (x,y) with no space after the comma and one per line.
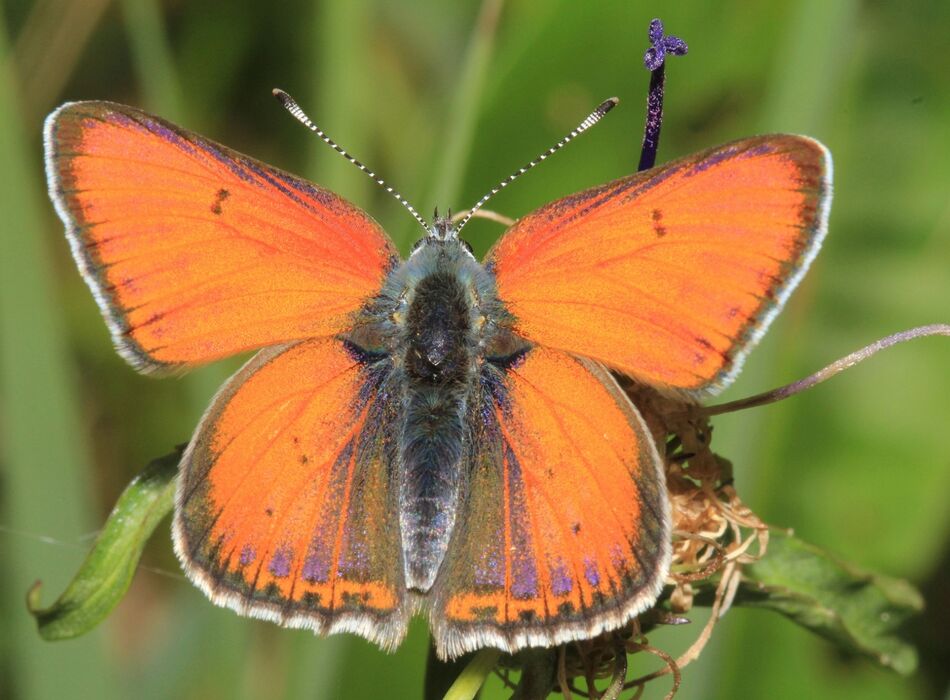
(195,252)
(285,508)
(564,531)
(671,275)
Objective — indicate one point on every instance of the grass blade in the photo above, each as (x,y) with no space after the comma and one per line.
(43,454)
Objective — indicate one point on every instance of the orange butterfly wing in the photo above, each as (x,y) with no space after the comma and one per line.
(565,530)
(672,274)
(195,252)
(286,506)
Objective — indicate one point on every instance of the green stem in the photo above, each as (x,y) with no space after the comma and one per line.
(470,674)
(463,113)
(152,57)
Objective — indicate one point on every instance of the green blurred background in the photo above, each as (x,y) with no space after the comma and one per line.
(443,100)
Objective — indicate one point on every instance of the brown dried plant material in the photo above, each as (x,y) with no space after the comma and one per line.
(714,534)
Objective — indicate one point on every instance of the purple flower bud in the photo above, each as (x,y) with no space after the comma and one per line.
(654,57)
(675,45)
(661,45)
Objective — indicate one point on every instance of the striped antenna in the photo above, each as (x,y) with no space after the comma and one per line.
(588,122)
(291,106)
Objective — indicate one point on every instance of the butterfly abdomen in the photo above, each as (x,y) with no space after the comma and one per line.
(430,480)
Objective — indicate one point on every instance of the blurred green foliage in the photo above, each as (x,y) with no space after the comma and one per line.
(108,570)
(443,108)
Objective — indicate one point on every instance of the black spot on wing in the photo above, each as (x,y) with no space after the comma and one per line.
(219,198)
(658,227)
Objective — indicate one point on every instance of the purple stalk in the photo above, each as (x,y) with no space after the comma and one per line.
(655,61)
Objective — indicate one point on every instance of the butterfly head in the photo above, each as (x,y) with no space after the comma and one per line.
(443,228)
(442,235)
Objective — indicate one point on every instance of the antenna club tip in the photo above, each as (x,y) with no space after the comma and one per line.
(608,104)
(282,96)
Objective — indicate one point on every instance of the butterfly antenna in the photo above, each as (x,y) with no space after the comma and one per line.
(588,122)
(291,106)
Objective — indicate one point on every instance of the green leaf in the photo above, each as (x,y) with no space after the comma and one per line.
(107,572)
(860,611)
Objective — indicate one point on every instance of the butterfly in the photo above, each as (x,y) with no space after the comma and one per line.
(436,434)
